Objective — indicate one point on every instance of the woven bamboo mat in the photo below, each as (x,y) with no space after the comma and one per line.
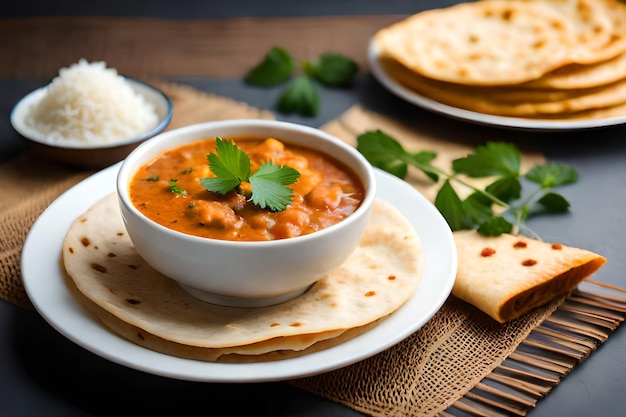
(568,336)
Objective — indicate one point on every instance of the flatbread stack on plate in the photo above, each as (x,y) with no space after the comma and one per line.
(535,59)
(116,285)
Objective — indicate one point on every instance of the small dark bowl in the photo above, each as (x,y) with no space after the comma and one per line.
(85,156)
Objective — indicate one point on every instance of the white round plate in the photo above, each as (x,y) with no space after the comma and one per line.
(43,278)
(476,117)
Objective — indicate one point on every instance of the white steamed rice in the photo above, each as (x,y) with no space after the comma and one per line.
(91,104)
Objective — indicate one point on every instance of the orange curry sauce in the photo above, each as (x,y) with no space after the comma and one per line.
(325,193)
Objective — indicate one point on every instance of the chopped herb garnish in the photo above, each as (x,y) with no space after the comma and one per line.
(301,96)
(186,171)
(499,160)
(267,187)
(175,189)
(152,178)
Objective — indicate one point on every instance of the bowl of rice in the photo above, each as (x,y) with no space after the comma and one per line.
(90,116)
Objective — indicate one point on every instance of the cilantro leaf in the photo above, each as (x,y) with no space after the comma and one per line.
(477,209)
(269,186)
(507,188)
(451,207)
(554,203)
(276,67)
(386,153)
(332,69)
(495,226)
(551,175)
(231,167)
(494,158)
(300,97)
(219,185)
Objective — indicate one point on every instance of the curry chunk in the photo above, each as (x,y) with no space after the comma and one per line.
(215,215)
(290,223)
(323,197)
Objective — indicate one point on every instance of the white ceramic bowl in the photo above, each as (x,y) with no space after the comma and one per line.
(89,155)
(249,274)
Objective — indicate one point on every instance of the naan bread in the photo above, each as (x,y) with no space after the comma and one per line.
(152,310)
(593,28)
(578,76)
(512,101)
(507,276)
(533,59)
(491,42)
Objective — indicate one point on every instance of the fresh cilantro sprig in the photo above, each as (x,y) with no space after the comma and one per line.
(301,95)
(498,160)
(267,187)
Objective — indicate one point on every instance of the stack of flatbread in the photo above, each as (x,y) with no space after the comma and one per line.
(536,59)
(116,285)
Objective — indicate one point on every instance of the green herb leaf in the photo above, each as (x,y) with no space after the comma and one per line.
(269,186)
(275,68)
(477,209)
(175,189)
(554,203)
(451,207)
(507,188)
(552,175)
(332,69)
(300,97)
(495,226)
(386,153)
(231,167)
(495,159)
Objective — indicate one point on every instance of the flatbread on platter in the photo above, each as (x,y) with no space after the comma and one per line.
(507,276)
(146,307)
(532,59)
(512,101)
(580,76)
(489,42)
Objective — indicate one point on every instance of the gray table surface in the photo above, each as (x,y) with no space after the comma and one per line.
(44,374)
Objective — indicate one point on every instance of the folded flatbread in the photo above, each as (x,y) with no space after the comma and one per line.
(135,301)
(507,276)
